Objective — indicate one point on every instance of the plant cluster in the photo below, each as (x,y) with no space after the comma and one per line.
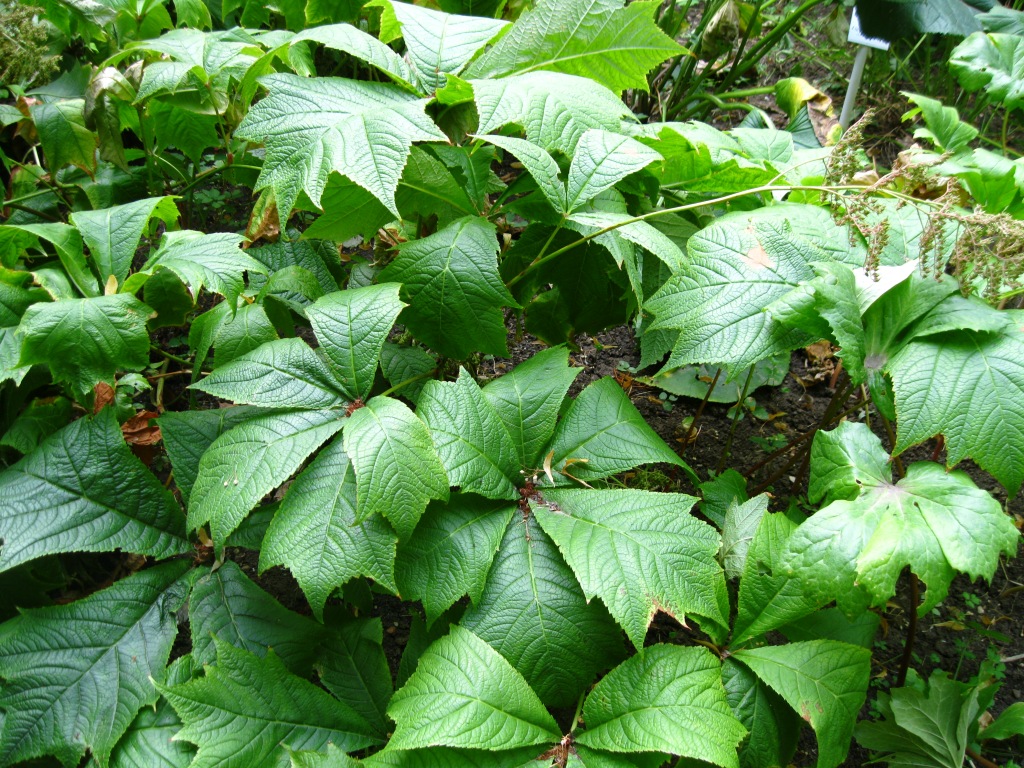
(345,436)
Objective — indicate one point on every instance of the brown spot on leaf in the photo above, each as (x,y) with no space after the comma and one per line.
(758,258)
(805,711)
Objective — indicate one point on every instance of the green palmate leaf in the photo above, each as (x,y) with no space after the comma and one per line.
(349,210)
(149,740)
(187,435)
(397,470)
(639,552)
(62,131)
(603,433)
(403,364)
(353,667)
(67,241)
(534,614)
(601,161)
(637,232)
(824,681)
(214,261)
(227,606)
(993,62)
(739,265)
(452,552)
(75,675)
(539,163)
(936,522)
(351,327)
(464,694)
(188,131)
(975,402)
(314,126)
(332,758)
(428,188)
(554,110)
(598,39)
(773,726)
(83,490)
(279,374)
(249,461)
(447,757)
(86,341)
(352,40)
(232,331)
(318,257)
(944,126)
(315,534)
(768,597)
(113,234)
(439,43)
(474,446)
(666,699)
(454,290)
(924,726)
(248,711)
(528,399)
(39,420)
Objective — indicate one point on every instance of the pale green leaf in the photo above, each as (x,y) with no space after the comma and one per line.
(601,161)
(640,552)
(464,694)
(279,374)
(825,682)
(452,551)
(352,40)
(533,612)
(620,225)
(351,327)
(212,261)
(438,43)
(993,62)
(933,521)
(845,459)
(332,758)
(603,433)
(75,675)
(738,265)
(226,605)
(62,131)
(67,241)
(249,711)
(86,341)
(541,166)
(944,127)
(249,461)
(447,757)
(740,525)
(528,399)
(397,469)
(314,126)
(316,536)
(967,387)
(113,234)
(474,446)
(83,490)
(554,110)
(454,290)
(666,699)
(598,39)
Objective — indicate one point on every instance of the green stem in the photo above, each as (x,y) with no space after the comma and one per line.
(576,714)
(704,203)
(768,42)
(216,169)
(746,93)
(735,421)
(398,386)
(29,196)
(169,356)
